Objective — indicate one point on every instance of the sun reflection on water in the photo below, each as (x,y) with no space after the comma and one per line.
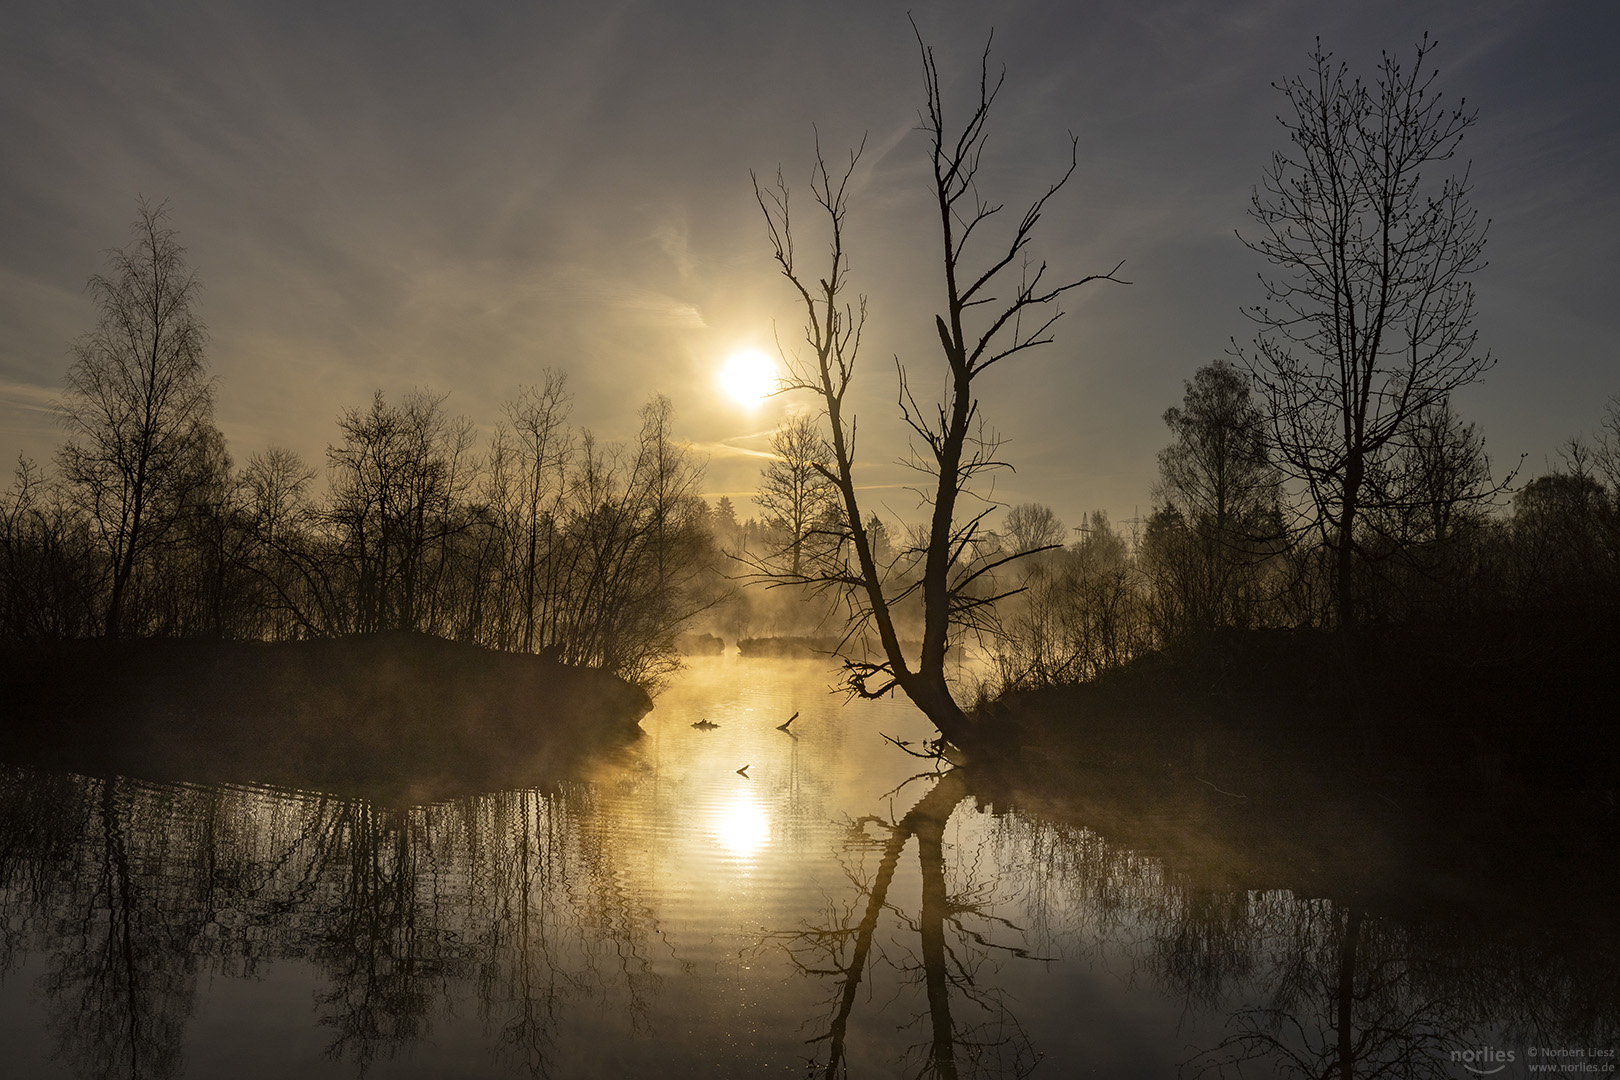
(742,824)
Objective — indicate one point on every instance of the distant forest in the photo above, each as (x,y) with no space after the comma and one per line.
(545,539)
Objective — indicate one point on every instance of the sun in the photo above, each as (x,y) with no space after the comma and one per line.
(742,826)
(749,376)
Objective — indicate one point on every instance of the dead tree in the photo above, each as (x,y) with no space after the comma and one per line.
(998,304)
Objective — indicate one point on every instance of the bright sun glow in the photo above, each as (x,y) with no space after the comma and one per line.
(742,825)
(748,377)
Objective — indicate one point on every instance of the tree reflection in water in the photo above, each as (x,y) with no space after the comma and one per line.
(1343,996)
(1308,987)
(131,890)
(540,908)
(120,993)
(1331,991)
(949,956)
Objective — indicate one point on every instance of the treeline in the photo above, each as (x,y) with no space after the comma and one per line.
(1229,545)
(1324,479)
(542,539)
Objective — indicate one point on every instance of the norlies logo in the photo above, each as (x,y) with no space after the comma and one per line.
(1483,1062)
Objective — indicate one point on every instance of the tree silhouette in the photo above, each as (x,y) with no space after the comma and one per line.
(1217,505)
(1030,527)
(997,305)
(794,491)
(1368,320)
(139,403)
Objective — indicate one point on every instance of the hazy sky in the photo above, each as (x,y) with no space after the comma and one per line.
(393,195)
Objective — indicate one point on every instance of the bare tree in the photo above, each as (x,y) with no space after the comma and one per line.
(997,305)
(794,491)
(397,485)
(138,402)
(277,483)
(631,557)
(1030,527)
(1429,514)
(275,489)
(539,418)
(1081,612)
(48,586)
(1368,321)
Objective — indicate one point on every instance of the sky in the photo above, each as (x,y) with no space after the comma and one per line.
(456,197)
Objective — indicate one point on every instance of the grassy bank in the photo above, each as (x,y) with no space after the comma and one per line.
(402,716)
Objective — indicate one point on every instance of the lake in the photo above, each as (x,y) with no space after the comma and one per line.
(732,901)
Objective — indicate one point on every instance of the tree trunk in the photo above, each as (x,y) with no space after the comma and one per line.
(931,926)
(1346,546)
(1345,1013)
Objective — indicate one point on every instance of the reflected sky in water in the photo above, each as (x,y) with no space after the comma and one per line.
(824,912)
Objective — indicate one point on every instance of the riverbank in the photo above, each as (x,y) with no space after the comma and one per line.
(1411,768)
(400,717)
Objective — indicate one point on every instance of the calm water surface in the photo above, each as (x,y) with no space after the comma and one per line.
(825,913)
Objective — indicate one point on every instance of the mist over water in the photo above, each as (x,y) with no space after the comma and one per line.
(823,910)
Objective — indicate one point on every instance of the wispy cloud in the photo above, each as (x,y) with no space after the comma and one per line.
(28,397)
(727,449)
(646,307)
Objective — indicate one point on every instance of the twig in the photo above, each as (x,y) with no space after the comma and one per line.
(1228,794)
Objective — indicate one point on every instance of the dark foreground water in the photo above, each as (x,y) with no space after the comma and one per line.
(665,915)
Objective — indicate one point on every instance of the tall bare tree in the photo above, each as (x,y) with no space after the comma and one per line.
(1369,319)
(139,402)
(997,305)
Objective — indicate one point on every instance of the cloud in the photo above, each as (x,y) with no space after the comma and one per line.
(726,449)
(640,306)
(29,397)
(496,290)
(672,238)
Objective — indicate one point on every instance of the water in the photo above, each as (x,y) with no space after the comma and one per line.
(828,911)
